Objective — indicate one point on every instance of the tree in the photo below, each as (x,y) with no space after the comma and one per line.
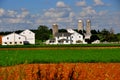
(105,34)
(94,37)
(42,33)
(94,32)
(62,30)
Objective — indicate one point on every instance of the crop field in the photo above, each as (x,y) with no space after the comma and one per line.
(60,63)
(62,71)
(59,55)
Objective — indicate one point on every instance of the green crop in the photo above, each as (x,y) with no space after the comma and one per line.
(14,57)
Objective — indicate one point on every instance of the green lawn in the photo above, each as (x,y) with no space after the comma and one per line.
(14,57)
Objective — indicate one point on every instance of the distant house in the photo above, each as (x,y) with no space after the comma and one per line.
(96,42)
(13,39)
(29,36)
(24,37)
(70,37)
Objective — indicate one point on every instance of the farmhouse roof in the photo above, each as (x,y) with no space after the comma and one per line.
(62,34)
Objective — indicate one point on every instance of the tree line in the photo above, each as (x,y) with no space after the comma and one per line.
(43,33)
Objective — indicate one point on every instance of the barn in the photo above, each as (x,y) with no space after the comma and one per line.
(13,39)
(18,39)
(29,36)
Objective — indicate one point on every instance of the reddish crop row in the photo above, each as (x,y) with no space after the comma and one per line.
(63,71)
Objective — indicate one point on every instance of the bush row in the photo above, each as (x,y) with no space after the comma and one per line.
(71,45)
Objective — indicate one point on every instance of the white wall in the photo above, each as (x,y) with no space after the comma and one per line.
(72,39)
(76,37)
(13,39)
(29,35)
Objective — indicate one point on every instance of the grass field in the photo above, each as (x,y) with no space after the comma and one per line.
(14,57)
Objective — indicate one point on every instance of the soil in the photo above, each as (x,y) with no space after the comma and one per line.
(62,71)
(54,48)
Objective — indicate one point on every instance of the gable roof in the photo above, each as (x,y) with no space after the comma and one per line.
(26,31)
(13,34)
(62,34)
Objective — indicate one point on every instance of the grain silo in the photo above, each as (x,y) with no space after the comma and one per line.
(54,29)
(88,27)
(80,25)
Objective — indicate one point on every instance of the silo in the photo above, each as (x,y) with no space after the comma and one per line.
(80,25)
(54,29)
(88,27)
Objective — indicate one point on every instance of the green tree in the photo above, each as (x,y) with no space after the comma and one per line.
(42,33)
(94,37)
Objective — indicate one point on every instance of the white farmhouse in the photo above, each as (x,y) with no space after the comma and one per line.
(70,37)
(76,37)
(29,36)
(13,39)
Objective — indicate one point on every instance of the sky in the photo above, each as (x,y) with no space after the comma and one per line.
(29,14)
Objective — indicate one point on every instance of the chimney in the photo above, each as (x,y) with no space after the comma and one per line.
(54,29)
(80,25)
(88,27)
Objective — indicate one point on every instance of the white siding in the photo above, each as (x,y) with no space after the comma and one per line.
(74,38)
(77,37)
(13,39)
(29,35)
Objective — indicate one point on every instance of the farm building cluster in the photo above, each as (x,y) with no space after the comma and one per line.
(69,37)
(72,36)
(25,37)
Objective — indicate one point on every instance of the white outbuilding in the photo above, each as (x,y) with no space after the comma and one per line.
(25,37)
(13,39)
(29,36)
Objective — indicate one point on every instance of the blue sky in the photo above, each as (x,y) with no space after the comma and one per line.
(29,14)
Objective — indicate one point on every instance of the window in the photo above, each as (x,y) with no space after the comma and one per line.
(5,42)
(79,36)
(10,42)
(15,42)
(19,37)
(7,38)
(67,37)
(67,41)
(20,42)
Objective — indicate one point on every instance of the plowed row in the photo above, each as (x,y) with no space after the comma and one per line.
(62,71)
(61,48)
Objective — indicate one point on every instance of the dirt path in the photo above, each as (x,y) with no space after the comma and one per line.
(56,48)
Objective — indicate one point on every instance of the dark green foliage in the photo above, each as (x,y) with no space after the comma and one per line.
(62,30)
(59,46)
(42,33)
(94,37)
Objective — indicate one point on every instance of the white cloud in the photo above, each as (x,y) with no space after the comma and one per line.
(87,11)
(61,4)
(81,3)
(98,2)
(23,14)
(2,11)
(11,13)
(14,20)
(72,14)
(58,12)
(0,21)
(101,13)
